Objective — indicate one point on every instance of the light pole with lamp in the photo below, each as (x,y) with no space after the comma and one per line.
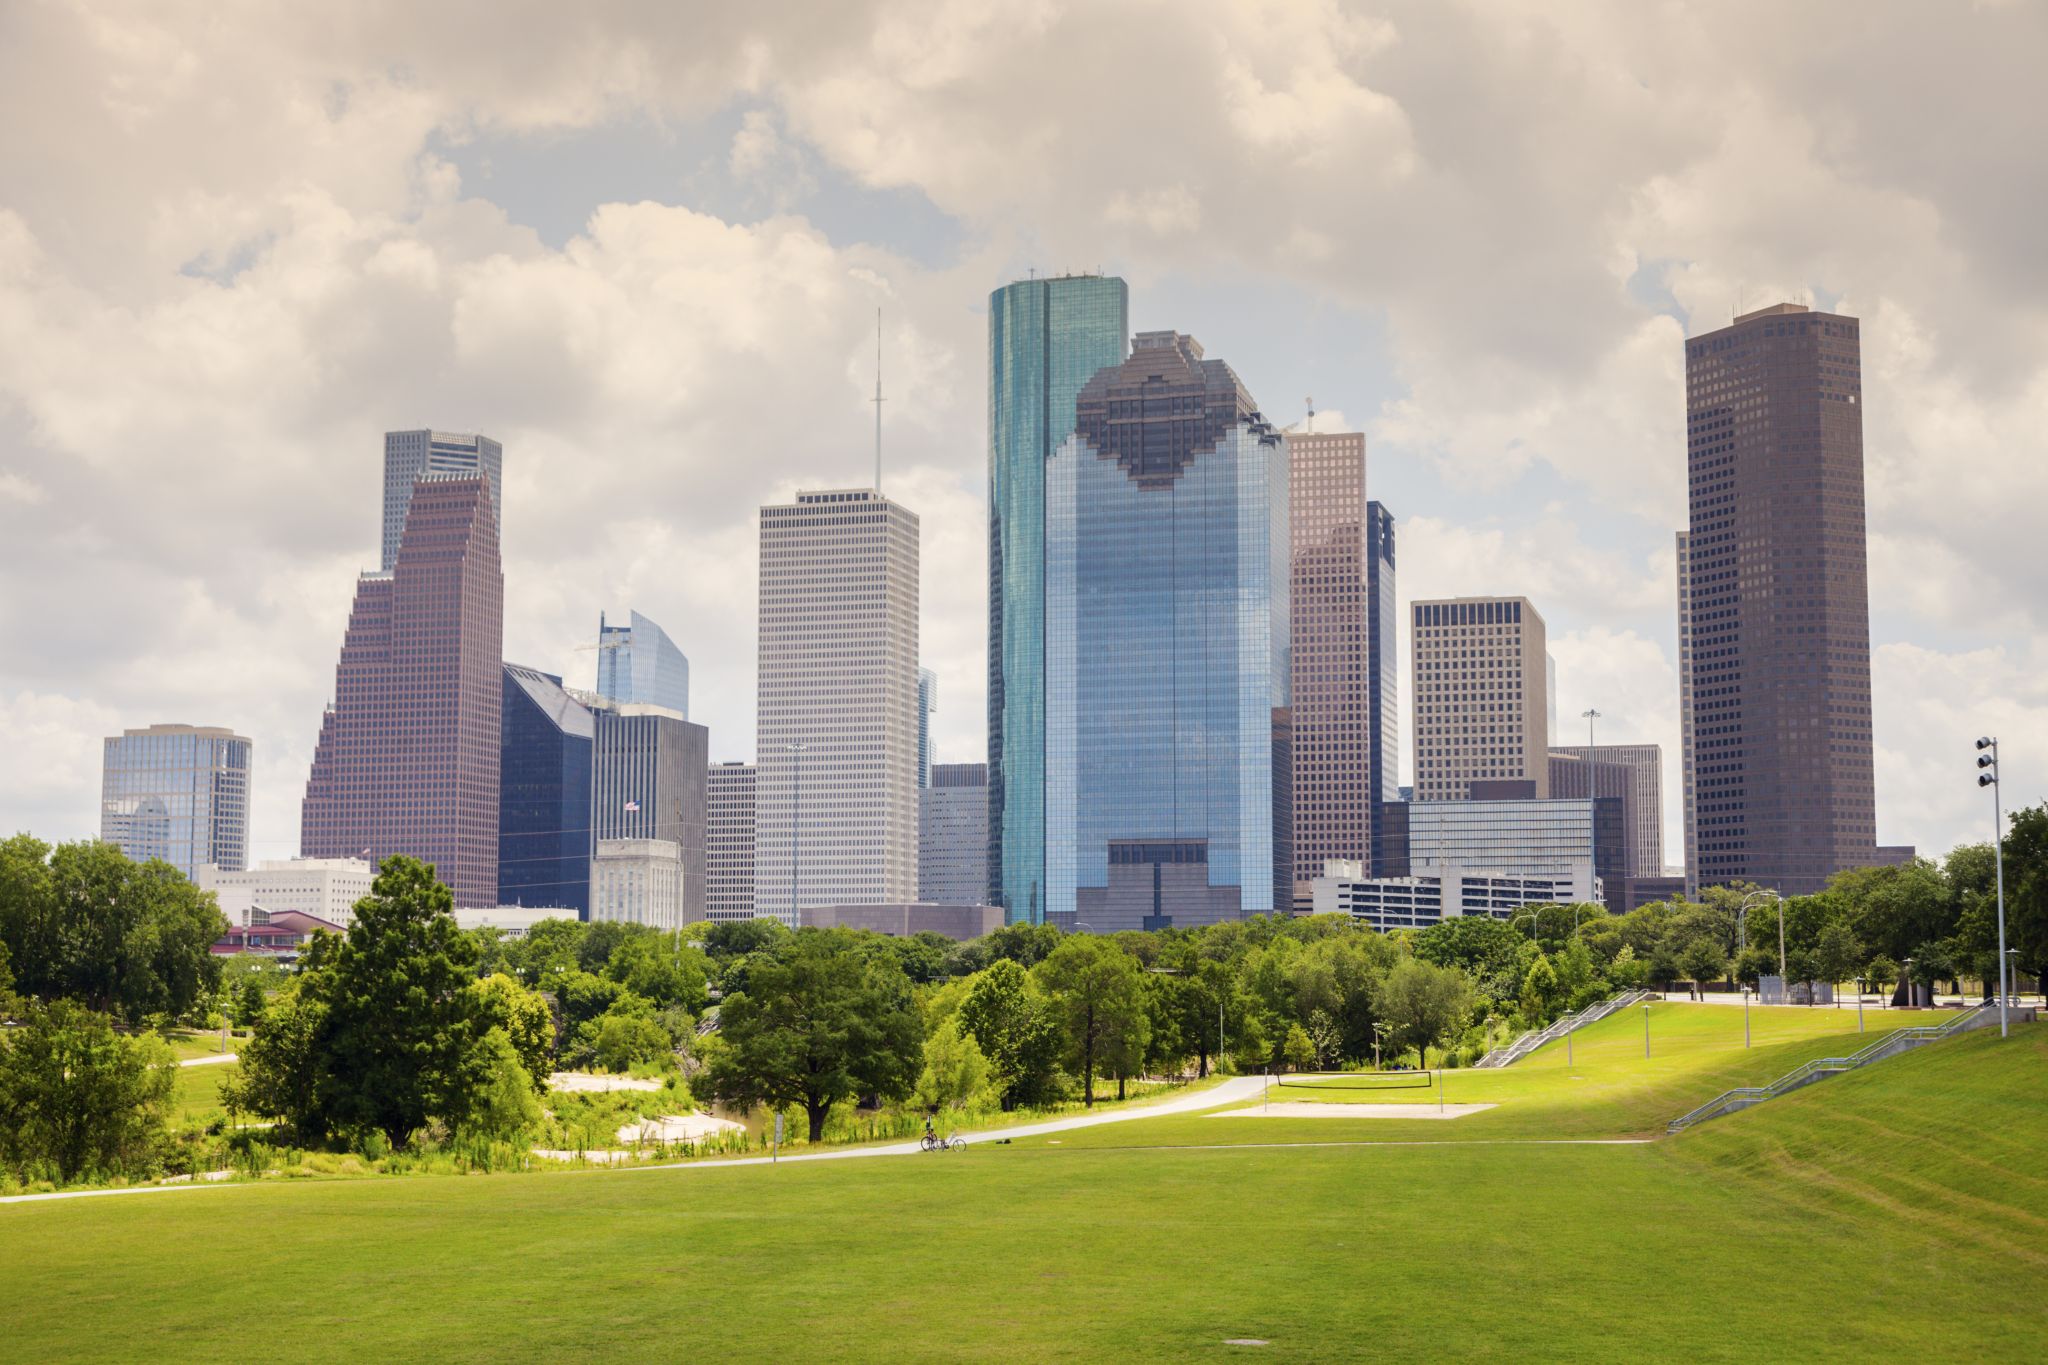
(1745,1016)
(1989,778)
(796,821)
(1859,1003)
(1379,1032)
(1742,929)
(1646,1033)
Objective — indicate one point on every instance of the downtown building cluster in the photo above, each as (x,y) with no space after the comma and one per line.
(1194,700)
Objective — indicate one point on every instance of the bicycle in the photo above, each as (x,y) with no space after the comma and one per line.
(932,1142)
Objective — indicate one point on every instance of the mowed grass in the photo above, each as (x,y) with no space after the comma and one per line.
(1900,1209)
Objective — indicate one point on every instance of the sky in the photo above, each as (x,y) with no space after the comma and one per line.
(643,245)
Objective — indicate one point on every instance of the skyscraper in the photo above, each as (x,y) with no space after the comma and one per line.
(1632,772)
(648,778)
(1482,703)
(927,702)
(1333,664)
(1687,778)
(639,663)
(1383,657)
(836,794)
(179,793)
(544,767)
(729,843)
(1166,642)
(1784,793)
(1046,338)
(407,760)
(952,840)
(412,455)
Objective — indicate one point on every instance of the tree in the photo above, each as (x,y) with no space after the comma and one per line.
(501,1105)
(1297,1051)
(623,1036)
(1097,990)
(819,1022)
(1836,954)
(2026,888)
(1702,960)
(1427,1005)
(1011,1021)
(527,1022)
(77,1099)
(1881,972)
(1539,990)
(249,1002)
(663,969)
(282,1067)
(955,1071)
(400,1015)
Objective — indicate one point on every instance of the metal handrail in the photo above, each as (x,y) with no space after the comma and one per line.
(1893,1043)
(1533,1039)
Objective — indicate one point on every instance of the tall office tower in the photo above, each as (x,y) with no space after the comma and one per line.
(638,662)
(1785,795)
(1333,665)
(647,782)
(410,456)
(729,843)
(544,767)
(836,719)
(1046,338)
(1482,703)
(1632,772)
(952,836)
(1167,619)
(1688,781)
(927,702)
(179,793)
(1383,658)
(407,760)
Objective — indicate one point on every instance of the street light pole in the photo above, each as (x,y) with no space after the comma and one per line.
(1990,779)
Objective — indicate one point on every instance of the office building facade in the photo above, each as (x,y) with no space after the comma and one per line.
(927,702)
(639,881)
(836,795)
(729,843)
(1687,777)
(1167,627)
(649,771)
(637,662)
(179,794)
(1390,903)
(410,456)
(545,760)
(1780,612)
(952,838)
(325,888)
(408,754)
(1632,772)
(1482,696)
(1046,338)
(1383,657)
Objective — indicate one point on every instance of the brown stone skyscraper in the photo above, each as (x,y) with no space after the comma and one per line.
(1779,601)
(407,760)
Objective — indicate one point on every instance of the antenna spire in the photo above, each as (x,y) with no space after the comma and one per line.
(878,399)
(1311,401)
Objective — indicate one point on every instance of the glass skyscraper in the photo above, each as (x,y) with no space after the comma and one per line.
(1046,338)
(544,767)
(410,456)
(179,793)
(1167,649)
(639,663)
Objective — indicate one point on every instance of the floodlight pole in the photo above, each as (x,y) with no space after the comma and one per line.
(1646,1033)
(1990,779)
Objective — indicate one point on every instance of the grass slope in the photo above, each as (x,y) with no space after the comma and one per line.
(1898,1209)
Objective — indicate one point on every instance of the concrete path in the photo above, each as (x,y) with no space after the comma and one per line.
(216,1059)
(1315,1109)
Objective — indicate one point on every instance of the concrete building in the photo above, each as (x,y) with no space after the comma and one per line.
(513,921)
(927,702)
(1577,842)
(280,937)
(1780,612)
(1482,696)
(649,772)
(836,796)
(959,922)
(1046,338)
(1167,629)
(1383,658)
(637,662)
(952,835)
(638,881)
(177,793)
(729,843)
(410,456)
(1637,777)
(545,757)
(408,754)
(1389,903)
(1687,780)
(325,888)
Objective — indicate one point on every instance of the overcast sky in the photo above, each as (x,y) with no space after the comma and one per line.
(642,245)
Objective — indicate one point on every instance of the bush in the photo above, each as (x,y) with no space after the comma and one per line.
(78,1100)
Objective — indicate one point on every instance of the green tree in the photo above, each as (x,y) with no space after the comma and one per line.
(1297,1051)
(401,1018)
(819,1022)
(663,969)
(624,1036)
(1014,1025)
(2026,888)
(1702,960)
(1881,972)
(78,1099)
(282,1070)
(1539,990)
(527,1022)
(1097,990)
(955,1071)
(1836,954)
(249,1000)
(1426,1005)
(501,1105)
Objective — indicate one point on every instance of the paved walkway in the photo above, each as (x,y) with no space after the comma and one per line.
(217,1059)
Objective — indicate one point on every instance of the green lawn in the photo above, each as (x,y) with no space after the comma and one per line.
(186,1044)
(1902,1210)
(198,1093)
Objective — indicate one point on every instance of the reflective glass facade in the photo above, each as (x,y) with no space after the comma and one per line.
(1046,338)
(179,793)
(639,663)
(1167,630)
(410,456)
(544,793)
(1383,655)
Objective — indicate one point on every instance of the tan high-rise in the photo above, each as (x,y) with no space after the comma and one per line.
(1482,704)
(836,820)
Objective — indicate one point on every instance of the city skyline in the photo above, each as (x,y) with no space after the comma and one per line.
(1519,379)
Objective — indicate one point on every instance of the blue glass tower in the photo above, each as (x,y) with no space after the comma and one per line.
(639,663)
(1382,636)
(1167,649)
(1046,338)
(544,768)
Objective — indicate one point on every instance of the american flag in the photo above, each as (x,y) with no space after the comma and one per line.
(632,805)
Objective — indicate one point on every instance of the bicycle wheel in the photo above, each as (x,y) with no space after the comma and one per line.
(958,1144)
(927,1143)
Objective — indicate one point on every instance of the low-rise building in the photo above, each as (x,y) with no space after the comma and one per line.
(637,881)
(1388,903)
(325,888)
(513,921)
(902,920)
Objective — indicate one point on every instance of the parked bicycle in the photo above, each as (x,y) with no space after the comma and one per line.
(932,1142)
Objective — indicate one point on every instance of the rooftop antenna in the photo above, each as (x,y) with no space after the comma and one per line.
(1311,401)
(878,400)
